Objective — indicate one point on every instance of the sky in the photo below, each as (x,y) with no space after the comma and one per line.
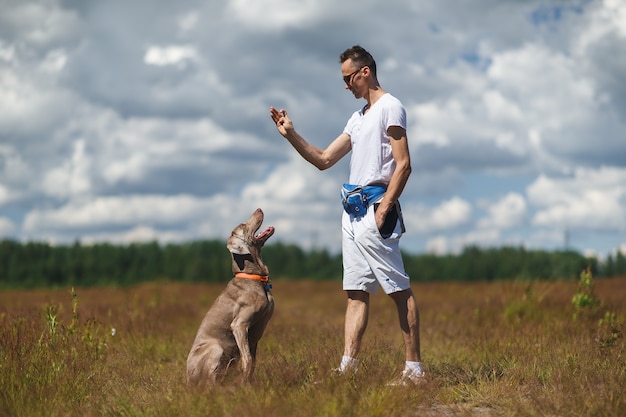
(149,120)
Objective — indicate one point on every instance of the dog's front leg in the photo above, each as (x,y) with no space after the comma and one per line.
(240,331)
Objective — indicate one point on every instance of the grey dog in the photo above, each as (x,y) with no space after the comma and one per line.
(232,327)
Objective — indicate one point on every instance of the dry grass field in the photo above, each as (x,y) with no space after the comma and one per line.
(490,349)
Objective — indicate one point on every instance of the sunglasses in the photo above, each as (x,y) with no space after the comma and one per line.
(348,78)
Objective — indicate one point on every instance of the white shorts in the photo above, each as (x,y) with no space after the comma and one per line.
(369,260)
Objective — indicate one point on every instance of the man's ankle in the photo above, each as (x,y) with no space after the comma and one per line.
(414,367)
(348,364)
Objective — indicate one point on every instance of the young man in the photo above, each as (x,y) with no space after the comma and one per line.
(372,221)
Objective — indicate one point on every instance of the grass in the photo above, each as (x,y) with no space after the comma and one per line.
(497,349)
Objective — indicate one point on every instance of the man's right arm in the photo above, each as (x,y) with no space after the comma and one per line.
(321,159)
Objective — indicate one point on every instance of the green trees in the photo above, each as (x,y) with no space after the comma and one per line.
(488,264)
(41,265)
(615,264)
(36,264)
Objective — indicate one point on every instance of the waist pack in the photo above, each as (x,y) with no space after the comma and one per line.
(356,198)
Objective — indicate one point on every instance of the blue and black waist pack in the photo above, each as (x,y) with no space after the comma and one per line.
(356,198)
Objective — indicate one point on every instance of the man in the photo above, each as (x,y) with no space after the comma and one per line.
(372,223)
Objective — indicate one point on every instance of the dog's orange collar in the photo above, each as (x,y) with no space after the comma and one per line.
(262,278)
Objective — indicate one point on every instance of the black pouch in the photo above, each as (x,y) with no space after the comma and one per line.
(392,218)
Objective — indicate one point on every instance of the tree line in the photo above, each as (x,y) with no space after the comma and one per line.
(37,264)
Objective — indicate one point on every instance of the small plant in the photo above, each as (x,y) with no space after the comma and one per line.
(51,320)
(585,298)
(74,323)
(609,329)
(585,301)
(525,308)
(90,335)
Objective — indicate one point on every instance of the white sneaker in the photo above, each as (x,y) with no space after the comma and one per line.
(350,370)
(408,378)
(336,373)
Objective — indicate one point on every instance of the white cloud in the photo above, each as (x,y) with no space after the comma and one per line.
(442,245)
(54,61)
(4,195)
(546,81)
(500,108)
(33,103)
(7,228)
(448,215)
(20,100)
(505,213)
(437,245)
(40,24)
(479,237)
(7,51)
(72,177)
(118,211)
(605,17)
(295,182)
(591,199)
(113,151)
(137,234)
(430,120)
(188,22)
(617,13)
(272,15)
(13,171)
(177,55)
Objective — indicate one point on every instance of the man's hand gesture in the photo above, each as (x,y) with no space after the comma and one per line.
(283,122)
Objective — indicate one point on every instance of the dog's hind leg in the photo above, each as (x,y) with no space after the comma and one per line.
(203,364)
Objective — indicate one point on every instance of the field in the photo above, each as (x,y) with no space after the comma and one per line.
(490,349)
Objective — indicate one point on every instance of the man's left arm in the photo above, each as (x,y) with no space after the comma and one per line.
(400,152)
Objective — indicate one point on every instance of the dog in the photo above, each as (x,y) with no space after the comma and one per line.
(234,324)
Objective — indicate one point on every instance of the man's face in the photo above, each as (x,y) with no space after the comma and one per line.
(352,77)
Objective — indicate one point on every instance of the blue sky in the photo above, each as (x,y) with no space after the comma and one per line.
(149,120)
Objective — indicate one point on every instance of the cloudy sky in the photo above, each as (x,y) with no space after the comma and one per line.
(139,120)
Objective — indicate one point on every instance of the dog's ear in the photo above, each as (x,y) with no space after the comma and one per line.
(236,244)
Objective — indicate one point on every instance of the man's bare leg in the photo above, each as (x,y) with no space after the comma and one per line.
(408,313)
(357,313)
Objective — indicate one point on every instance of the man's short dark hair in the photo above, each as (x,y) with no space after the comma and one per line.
(360,57)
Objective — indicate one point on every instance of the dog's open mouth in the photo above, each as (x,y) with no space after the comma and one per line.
(257,220)
(264,235)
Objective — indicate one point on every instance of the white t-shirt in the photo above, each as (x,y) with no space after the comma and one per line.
(371,160)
